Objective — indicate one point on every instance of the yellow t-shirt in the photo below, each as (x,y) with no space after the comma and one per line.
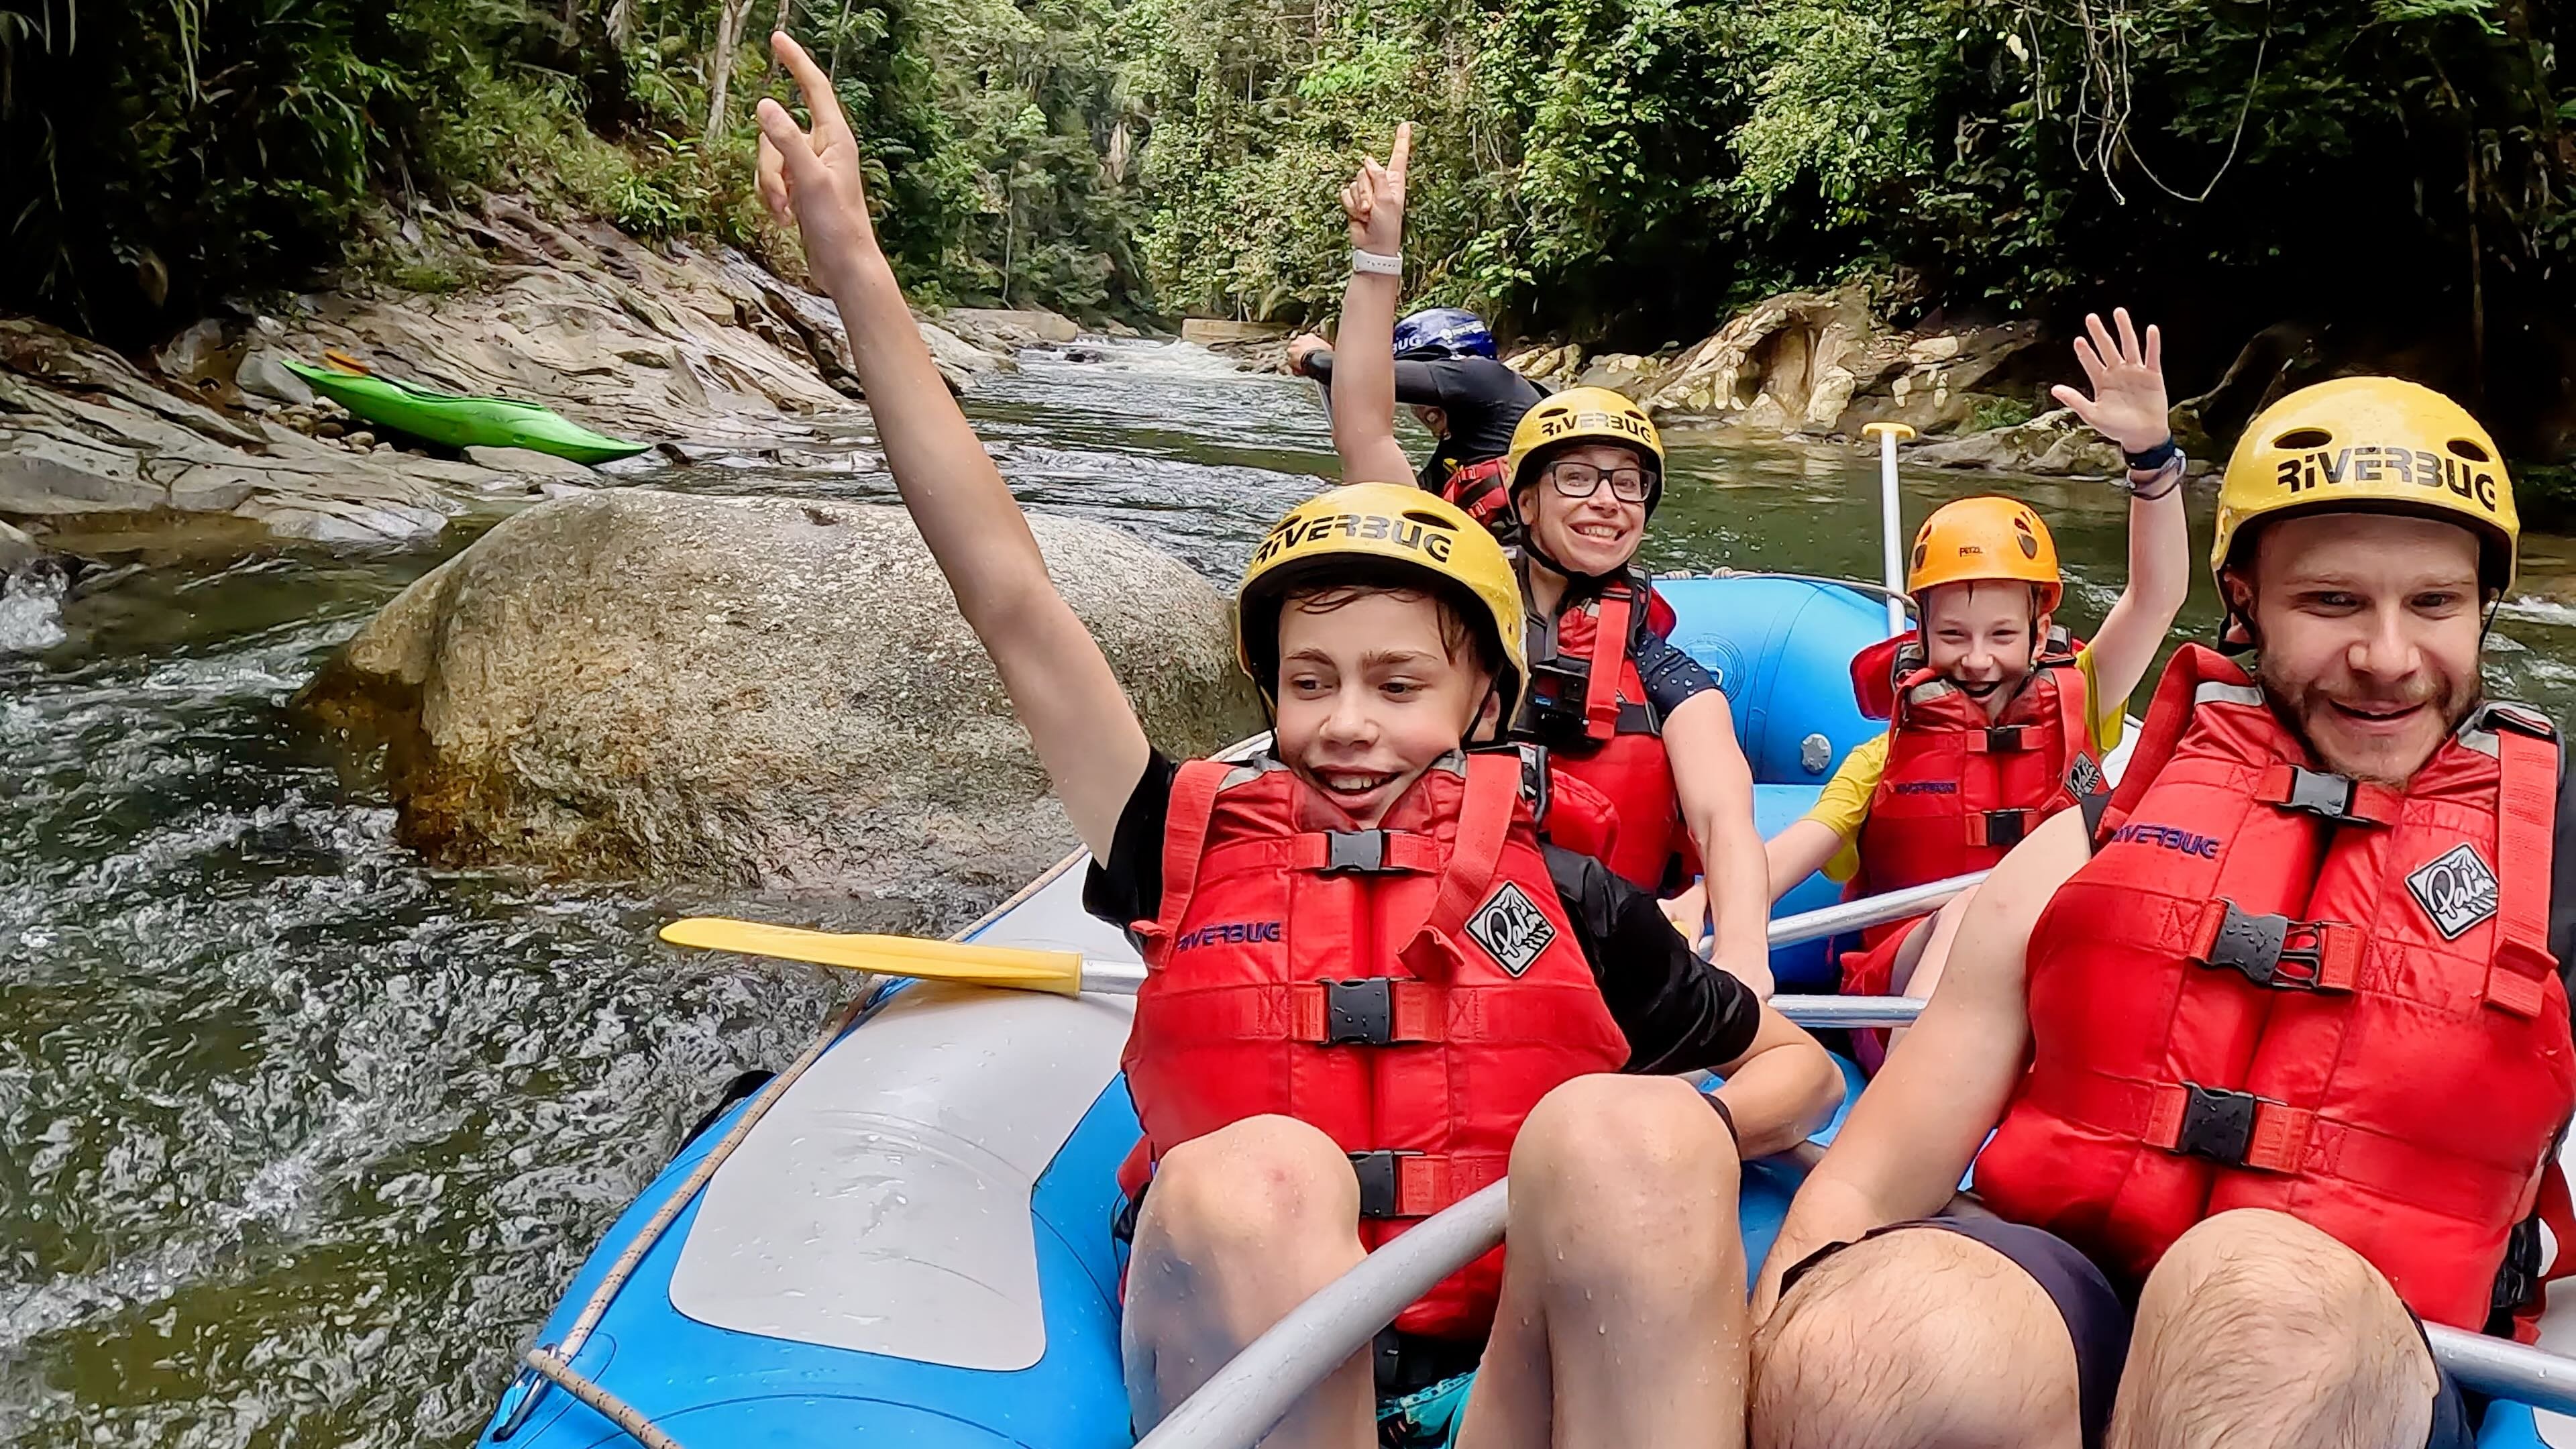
(1844,805)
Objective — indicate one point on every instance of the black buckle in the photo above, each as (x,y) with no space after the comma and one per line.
(2006,827)
(1535,790)
(1354,852)
(2258,947)
(2004,739)
(2329,796)
(1377,1181)
(2216,1124)
(2517,1280)
(1359,1013)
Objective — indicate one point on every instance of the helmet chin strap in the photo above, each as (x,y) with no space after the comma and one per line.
(1577,581)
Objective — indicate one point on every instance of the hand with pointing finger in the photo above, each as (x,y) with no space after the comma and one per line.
(810,180)
(2127,405)
(1374,200)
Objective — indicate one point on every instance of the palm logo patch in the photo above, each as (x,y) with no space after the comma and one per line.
(2084,778)
(2456,889)
(1511,928)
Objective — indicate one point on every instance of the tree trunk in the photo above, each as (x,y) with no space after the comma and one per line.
(728,40)
(621,23)
(2477,281)
(769,67)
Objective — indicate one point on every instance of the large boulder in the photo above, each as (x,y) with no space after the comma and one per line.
(749,692)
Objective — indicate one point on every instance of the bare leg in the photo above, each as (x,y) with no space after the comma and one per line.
(1926,954)
(1241,1226)
(1921,1339)
(1622,1315)
(2257,1329)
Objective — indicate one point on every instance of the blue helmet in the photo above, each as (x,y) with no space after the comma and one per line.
(1443,332)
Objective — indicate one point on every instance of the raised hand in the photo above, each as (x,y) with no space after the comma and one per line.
(1374,200)
(810,180)
(2128,376)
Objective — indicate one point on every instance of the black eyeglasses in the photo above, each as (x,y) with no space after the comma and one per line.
(1582,480)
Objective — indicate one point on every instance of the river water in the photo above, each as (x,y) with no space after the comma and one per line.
(302,1139)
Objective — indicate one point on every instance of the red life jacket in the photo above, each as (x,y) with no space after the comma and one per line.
(1483,490)
(1569,812)
(1960,789)
(1610,739)
(2273,988)
(1412,990)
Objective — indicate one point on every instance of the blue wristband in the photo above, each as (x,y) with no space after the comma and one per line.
(2153,458)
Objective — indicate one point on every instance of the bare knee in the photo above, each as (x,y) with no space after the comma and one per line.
(1918,1337)
(2256,1327)
(1642,1136)
(1253,1186)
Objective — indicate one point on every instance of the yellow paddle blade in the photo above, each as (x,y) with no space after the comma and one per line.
(1013,967)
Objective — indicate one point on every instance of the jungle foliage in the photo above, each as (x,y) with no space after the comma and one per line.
(2394,171)
(2390,177)
(156,160)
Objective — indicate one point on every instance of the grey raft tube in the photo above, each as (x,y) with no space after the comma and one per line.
(1234,1409)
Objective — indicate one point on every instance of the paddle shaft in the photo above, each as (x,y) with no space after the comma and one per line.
(1891,522)
(1244,1399)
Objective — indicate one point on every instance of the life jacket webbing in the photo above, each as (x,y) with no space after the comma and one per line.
(2293,787)
(1478,489)
(1185,827)
(2284,1139)
(1426,1182)
(2526,816)
(1476,851)
(1368,852)
(2168,715)
(1302,1012)
(1609,651)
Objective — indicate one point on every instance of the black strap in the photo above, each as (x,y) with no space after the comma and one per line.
(2094,806)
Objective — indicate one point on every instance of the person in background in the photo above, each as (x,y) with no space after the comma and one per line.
(1625,718)
(1445,370)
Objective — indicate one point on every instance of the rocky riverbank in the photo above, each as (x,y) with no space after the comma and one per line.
(1824,365)
(211,443)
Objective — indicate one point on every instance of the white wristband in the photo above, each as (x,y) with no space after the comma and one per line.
(1375,264)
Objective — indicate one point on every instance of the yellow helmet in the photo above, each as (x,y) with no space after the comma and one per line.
(2371,445)
(1384,523)
(1584,415)
(1985,538)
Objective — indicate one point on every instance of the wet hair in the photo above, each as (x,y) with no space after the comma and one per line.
(1350,580)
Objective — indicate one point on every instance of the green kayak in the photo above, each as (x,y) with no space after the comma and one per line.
(464,422)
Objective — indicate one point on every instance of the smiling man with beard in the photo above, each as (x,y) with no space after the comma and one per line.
(2272,1043)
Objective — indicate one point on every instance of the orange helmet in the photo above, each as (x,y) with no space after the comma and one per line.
(1985,538)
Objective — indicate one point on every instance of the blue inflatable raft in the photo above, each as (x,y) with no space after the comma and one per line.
(909,1244)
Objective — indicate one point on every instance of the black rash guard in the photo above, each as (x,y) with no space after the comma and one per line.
(1483,398)
(1679,1013)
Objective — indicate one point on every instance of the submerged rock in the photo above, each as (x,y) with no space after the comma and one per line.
(748,691)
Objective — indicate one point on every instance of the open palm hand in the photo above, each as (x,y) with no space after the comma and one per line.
(2127,404)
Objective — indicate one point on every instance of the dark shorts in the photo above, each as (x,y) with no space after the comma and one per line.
(2098,1316)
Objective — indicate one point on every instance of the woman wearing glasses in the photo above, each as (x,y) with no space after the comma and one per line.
(1617,705)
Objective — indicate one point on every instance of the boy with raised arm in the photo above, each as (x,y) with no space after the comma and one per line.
(1997,719)
(1370,986)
